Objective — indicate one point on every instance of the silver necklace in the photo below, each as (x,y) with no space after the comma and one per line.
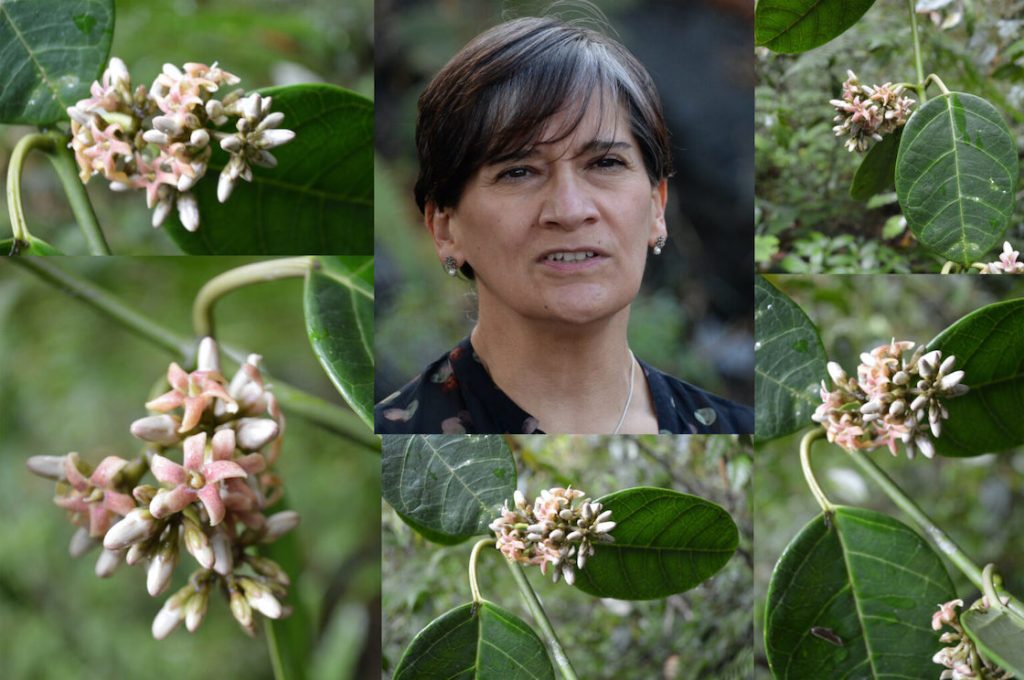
(629,396)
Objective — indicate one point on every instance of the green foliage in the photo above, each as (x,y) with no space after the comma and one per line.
(877,171)
(53,50)
(956,176)
(854,595)
(339,321)
(800,25)
(790,363)
(665,542)
(36,246)
(452,486)
(476,642)
(987,345)
(319,198)
(998,633)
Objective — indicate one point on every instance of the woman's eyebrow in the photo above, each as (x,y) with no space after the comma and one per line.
(604,146)
(594,145)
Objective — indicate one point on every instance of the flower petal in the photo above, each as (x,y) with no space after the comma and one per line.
(166,470)
(166,401)
(194,407)
(167,502)
(195,447)
(105,472)
(100,520)
(121,503)
(210,496)
(253,463)
(73,474)
(221,469)
(177,377)
(223,444)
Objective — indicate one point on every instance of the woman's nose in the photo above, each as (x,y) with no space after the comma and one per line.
(567,201)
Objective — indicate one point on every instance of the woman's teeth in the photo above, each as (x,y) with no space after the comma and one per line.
(570,257)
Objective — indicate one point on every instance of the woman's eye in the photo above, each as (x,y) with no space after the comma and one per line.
(609,162)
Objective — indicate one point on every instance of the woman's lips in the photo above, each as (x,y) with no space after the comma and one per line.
(572,260)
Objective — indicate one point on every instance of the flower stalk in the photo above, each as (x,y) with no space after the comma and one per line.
(805,462)
(474,586)
(533,603)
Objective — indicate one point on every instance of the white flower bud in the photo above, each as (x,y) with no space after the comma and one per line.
(519,498)
(231,144)
(604,527)
(136,526)
(195,609)
(155,137)
(224,561)
(225,183)
(108,562)
(200,138)
(81,542)
(188,211)
(51,467)
(255,433)
(271,138)
(279,524)
(926,446)
(260,598)
(873,406)
(271,120)
(951,380)
(836,372)
(160,213)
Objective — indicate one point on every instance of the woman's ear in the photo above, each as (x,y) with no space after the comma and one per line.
(659,196)
(438,221)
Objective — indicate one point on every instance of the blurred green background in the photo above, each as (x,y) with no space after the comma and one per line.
(704,633)
(805,220)
(264,42)
(978,501)
(693,318)
(72,380)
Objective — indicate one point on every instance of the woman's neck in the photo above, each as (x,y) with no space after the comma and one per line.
(573,379)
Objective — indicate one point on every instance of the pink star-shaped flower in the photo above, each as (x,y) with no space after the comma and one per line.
(95,496)
(196,480)
(195,391)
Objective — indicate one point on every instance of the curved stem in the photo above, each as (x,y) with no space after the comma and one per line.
(989,587)
(938,81)
(233,279)
(14,206)
(275,653)
(537,611)
(67,170)
(474,587)
(330,416)
(918,64)
(949,267)
(945,544)
(805,463)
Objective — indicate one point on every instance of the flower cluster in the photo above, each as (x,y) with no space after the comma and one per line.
(1007,263)
(160,139)
(868,112)
(962,660)
(558,531)
(897,397)
(213,501)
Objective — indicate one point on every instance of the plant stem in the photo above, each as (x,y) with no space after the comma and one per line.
(233,279)
(537,611)
(945,544)
(805,463)
(938,81)
(334,418)
(275,653)
(918,64)
(474,587)
(949,268)
(67,170)
(14,206)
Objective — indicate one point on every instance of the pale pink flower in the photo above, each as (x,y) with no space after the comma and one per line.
(196,479)
(194,391)
(94,500)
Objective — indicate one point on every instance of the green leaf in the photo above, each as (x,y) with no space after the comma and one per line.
(36,246)
(855,600)
(987,347)
(339,322)
(790,363)
(876,172)
(666,542)
(481,641)
(451,486)
(317,201)
(799,25)
(50,53)
(956,175)
(998,634)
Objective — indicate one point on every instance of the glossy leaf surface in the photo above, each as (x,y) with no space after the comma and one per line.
(790,363)
(799,25)
(451,485)
(476,642)
(877,172)
(855,599)
(339,322)
(956,176)
(988,346)
(999,635)
(317,201)
(666,542)
(50,53)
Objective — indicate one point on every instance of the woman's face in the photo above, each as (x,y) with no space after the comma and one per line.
(560,233)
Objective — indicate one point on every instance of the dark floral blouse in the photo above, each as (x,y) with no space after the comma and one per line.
(455,395)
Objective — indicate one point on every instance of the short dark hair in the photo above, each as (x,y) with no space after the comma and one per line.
(493,99)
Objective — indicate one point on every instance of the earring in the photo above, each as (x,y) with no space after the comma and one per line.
(659,243)
(451,266)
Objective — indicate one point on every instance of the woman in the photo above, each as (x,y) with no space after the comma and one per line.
(544,161)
